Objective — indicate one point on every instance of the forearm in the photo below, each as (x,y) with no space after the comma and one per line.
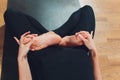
(24,69)
(96,66)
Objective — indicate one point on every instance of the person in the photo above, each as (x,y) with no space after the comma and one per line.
(67,35)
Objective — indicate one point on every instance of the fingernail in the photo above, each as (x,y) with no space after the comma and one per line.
(79,35)
(32,49)
(76,34)
(28,31)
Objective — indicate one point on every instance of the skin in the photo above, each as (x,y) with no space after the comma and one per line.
(82,38)
(43,41)
(51,38)
(23,65)
(89,43)
(70,41)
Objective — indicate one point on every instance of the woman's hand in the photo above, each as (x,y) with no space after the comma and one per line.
(24,45)
(87,39)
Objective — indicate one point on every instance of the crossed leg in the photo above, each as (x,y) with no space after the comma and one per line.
(18,23)
(85,21)
(81,20)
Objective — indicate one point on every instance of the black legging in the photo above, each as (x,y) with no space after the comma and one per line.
(81,20)
(18,23)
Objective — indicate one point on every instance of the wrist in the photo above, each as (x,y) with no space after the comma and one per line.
(22,58)
(22,54)
(93,53)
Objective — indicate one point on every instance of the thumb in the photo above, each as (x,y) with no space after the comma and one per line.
(91,33)
(16,39)
(32,40)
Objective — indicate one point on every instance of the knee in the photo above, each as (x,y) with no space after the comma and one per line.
(87,8)
(8,13)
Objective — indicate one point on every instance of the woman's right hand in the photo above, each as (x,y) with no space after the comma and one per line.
(24,46)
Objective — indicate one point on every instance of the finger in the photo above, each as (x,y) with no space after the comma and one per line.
(76,34)
(16,39)
(77,37)
(32,40)
(84,34)
(32,49)
(82,37)
(31,35)
(26,33)
(91,33)
(35,35)
(80,32)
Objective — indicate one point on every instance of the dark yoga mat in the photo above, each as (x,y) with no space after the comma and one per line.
(50,13)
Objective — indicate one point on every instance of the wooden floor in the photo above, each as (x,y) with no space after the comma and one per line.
(3,4)
(107,37)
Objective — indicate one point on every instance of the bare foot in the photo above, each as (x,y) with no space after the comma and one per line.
(45,40)
(71,41)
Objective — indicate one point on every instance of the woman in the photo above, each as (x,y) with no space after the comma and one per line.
(66,35)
